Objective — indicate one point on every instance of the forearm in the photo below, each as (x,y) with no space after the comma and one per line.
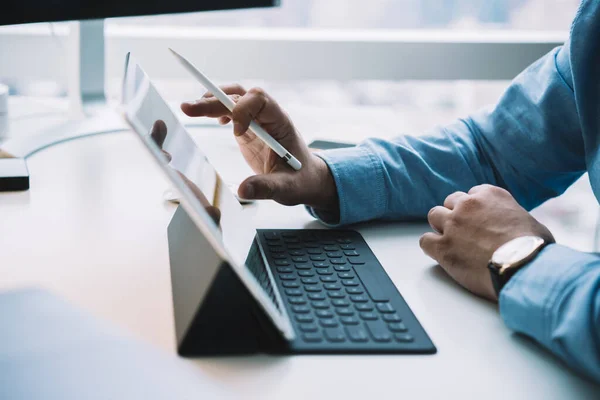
(556,301)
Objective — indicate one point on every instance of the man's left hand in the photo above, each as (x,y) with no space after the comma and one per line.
(470,227)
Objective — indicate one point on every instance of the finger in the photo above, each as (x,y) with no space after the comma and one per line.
(167,155)
(247,109)
(159,132)
(430,244)
(453,199)
(437,218)
(224,120)
(261,187)
(235,88)
(207,107)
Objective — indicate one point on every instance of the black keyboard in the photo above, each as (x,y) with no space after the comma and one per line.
(338,296)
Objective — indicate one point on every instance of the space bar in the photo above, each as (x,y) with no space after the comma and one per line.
(369,280)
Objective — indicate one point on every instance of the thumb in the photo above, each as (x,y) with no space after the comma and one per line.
(265,186)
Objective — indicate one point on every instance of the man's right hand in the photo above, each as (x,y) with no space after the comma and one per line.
(275,179)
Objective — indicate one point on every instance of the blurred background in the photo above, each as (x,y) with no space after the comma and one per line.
(360,108)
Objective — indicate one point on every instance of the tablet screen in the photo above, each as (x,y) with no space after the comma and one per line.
(213,207)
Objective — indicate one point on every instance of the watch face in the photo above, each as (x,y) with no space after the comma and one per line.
(514,252)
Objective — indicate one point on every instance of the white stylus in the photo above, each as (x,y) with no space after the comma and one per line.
(227,102)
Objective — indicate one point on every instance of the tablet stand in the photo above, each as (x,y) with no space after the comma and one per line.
(226,320)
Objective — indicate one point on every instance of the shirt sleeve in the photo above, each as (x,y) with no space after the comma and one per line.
(530,143)
(556,301)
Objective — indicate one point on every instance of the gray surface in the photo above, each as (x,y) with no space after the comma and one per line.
(50,350)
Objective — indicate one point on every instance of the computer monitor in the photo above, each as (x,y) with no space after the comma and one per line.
(27,11)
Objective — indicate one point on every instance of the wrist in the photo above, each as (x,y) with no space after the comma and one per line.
(325,191)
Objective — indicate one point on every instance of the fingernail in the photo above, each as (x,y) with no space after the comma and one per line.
(237,128)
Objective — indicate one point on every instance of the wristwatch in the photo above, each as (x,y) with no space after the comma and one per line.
(511,256)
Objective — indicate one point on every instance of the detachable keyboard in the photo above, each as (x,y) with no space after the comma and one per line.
(338,296)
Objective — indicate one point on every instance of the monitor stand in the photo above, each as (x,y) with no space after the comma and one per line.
(89,113)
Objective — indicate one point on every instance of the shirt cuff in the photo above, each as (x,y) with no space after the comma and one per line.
(358,176)
(527,300)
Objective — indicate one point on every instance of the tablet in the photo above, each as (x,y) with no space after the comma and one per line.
(213,208)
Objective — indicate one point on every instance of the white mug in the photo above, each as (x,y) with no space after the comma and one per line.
(3,110)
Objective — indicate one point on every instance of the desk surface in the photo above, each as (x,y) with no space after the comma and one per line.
(93,229)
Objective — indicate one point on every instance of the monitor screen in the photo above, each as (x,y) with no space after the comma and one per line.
(26,11)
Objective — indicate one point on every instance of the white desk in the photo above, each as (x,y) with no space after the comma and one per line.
(93,229)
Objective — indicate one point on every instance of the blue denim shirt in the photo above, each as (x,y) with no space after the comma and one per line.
(542,136)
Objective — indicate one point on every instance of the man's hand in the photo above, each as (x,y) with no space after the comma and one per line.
(470,227)
(312,185)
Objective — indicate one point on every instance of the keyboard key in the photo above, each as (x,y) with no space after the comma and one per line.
(289,234)
(291,240)
(303,266)
(397,327)
(351,253)
(297,300)
(324,314)
(346,275)
(309,237)
(368,316)
(270,235)
(327,241)
(341,268)
(304,318)
(330,248)
(344,311)
(350,282)
(314,251)
(287,277)
(320,264)
(282,263)
(340,302)
(385,308)
(316,296)
(299,259)
(356,261)
(378,331)
(349,320)
(301,309)
(318,258)
(328,323)
(294,247)
(354,290)
(277,249)
(357,334)
(312,337)
(312,245)
(308,327)
(312,288)
(290,284)
(280,256)
(284,270)
(347,247)
(293,292)
(363,307)
(306,274)
(403,337)
(309,281)
(391,318)
(334,254)
(296,252)
(339,261)
(332,286)
(328,279)
(370,281)
(320,304)
(335,335)
(359,298)
(326,271)
(336,295)
(344,240)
